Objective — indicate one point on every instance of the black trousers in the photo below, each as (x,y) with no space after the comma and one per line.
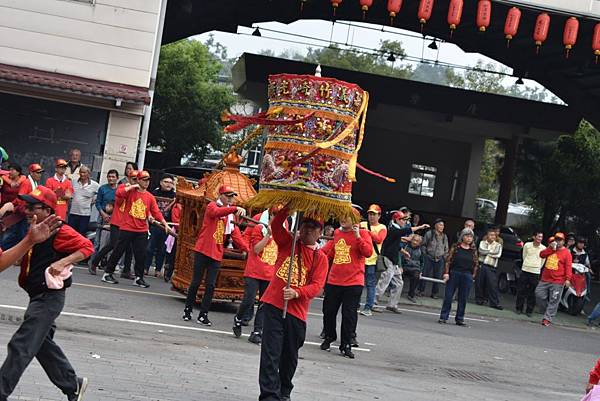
(526,290)
(202,264)
(348,297)
(114,237)
(281,340)
(413,278)
(487,284)
(252,286)
(34,338)
(138,241)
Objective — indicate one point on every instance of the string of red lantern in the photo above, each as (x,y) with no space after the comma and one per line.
(393,7)
(335,4)
(570,34)
(455,10)
(596,41)
(364,5)
(424,13)
(484,14)
(540,31)
(511,26)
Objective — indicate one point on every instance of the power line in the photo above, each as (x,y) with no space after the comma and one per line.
(370,51)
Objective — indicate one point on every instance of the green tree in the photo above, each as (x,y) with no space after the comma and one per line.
(188,101)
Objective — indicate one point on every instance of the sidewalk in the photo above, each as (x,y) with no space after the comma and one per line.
(506,300)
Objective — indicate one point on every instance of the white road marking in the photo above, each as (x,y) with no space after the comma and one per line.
(156,324)
(112,287)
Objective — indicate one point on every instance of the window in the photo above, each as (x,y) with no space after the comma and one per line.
(253,157)
(422,180)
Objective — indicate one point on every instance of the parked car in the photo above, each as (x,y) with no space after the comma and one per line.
(509,265)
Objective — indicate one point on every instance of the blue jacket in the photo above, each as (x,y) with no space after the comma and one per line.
(105,194)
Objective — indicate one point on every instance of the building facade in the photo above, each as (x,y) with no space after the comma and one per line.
(75,74)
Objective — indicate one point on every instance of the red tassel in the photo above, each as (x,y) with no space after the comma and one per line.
(373,173)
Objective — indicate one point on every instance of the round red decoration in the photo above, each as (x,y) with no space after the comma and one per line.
(540,32)
(484,14)
(596,41)
(364,5)
(511,26)
(455,10)
(570,34)
(425,10)
(393,7)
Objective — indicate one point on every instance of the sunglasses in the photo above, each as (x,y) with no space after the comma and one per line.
(144,179)
(34,206)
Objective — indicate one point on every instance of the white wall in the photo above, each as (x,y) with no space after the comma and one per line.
(584,7)
(110,40)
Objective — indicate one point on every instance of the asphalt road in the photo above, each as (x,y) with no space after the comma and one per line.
(133,345)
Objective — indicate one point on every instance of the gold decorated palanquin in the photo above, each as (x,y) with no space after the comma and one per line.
(230,281)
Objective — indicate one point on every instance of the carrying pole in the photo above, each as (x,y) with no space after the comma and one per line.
(292,255)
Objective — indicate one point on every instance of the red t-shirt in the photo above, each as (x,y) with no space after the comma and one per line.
(558,266)
(118,210)
(10,192)
(61,188)
(176,213)
(348,254)
(138,207)
(260,266)
(307,281)
(595,374)
(212,233)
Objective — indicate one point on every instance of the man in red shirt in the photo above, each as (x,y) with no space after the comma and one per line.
(283,337)
(216,225)
(260,267)
(61,185)
(139,207)
(34,338)
(347,252)
(556,275)
(13,184)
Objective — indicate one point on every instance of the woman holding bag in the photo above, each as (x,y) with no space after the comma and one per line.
(378,232)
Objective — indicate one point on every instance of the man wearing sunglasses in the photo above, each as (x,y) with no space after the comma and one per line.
(56,248)
(216,225)
(139,207)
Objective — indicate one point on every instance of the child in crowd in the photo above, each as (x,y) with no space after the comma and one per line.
(412,264)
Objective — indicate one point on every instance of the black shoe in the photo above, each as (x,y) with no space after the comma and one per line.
(498,307)
(92,269)
(187,314)
(237,327)
(326,344)
(354,341)
(461,323)
(285,398)
(203,319)
(434,296)
(108,278)
(346,351)
(528,314)
(256,338)
(82,383)
(245,322)
(480,303)
(139,281)
(442,321)
(322,335)
(519,312)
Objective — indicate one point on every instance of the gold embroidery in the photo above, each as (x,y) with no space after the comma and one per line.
(219,232)
(269,253)
(36,192)
(552,262)
(342,253)
(298,280)
(138,209)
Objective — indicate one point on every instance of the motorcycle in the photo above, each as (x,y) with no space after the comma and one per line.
(573,298)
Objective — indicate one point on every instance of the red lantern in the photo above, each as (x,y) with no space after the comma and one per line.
(425,10)
(484,14)
(540,32)
(364,5)
(570,34)
(455,10)
(393,7)
(335,4)
(596,41)
(511,26)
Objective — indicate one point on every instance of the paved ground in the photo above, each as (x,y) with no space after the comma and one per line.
(134,346)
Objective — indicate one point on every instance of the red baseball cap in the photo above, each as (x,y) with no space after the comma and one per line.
(227,190)
(374,209)
(35,168)
(559,235)
(61,163)
(41,195)
(398,215)
(143,174)
(133,173)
